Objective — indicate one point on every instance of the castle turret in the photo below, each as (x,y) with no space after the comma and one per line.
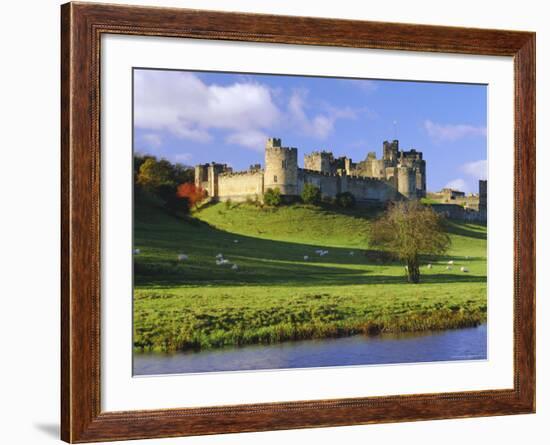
(406,182)
(281,167)
(390,151)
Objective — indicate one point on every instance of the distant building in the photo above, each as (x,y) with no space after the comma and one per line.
(451,194)
(397,175)
(455,204)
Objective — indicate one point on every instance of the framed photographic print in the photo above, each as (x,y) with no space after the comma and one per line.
(276,222)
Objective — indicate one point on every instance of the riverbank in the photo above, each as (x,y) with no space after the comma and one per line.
(194,318)
(435,346)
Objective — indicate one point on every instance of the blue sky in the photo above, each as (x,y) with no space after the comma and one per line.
(197,117)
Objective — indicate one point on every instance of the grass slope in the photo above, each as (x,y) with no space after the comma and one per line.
(277,295)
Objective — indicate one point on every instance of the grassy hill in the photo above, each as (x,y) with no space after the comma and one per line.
(276,294)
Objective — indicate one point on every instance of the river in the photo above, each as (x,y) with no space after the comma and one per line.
(455,344)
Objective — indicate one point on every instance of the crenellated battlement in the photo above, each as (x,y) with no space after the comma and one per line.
(242,173)
(397,175)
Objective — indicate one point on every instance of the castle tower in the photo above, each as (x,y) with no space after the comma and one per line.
(390,151)
(421,179)
(206,177)
(483,199)
(406,182)
(201,176)
(281,167)
(320,161)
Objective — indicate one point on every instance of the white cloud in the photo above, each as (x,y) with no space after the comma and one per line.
(452,132)
(251,138)
(187,107)
(457,184)
(180,102)
(321,125)
(476,169)
(153,140)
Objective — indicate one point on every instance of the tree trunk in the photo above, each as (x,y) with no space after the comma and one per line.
(413,271)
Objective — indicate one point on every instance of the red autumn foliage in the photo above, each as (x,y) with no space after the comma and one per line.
(193,193)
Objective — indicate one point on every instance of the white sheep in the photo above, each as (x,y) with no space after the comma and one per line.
(219,256)
(352,253)
(235,241)
(464,269)
(234,267)
(182,257)
(450,262)
(137,251)
(429,266)
(306,257)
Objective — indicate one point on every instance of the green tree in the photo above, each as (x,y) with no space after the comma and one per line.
(272,197)
(155,174)
(409,229)
(183,173)
(311,194)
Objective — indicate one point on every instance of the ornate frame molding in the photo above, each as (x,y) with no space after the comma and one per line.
(82,25)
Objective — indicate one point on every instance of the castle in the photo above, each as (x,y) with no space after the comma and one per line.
(398,175)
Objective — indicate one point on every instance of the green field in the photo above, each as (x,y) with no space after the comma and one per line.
(275,294)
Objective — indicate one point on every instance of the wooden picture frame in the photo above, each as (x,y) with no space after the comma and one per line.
(82,25)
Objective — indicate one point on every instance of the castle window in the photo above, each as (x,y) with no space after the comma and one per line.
(275,178)
(283,164)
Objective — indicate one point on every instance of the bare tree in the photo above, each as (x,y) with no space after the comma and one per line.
(409,229)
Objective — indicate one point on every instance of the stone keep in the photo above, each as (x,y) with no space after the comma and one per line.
(281,168)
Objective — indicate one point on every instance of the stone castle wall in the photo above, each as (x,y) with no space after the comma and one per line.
(363,189)
(455,211)
(240,186)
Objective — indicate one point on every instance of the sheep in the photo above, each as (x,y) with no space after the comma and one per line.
(235,241)
(464,269)
(323,252)
(182,257)
(352,253)
(219,256)
(449,268)
(306,257)
(429,266)
(137,251)
(234,267)
(450,262)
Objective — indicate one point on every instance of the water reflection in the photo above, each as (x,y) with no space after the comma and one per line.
(456,344)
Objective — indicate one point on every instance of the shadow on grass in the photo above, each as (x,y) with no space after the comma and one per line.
(260,261)
(462,228)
